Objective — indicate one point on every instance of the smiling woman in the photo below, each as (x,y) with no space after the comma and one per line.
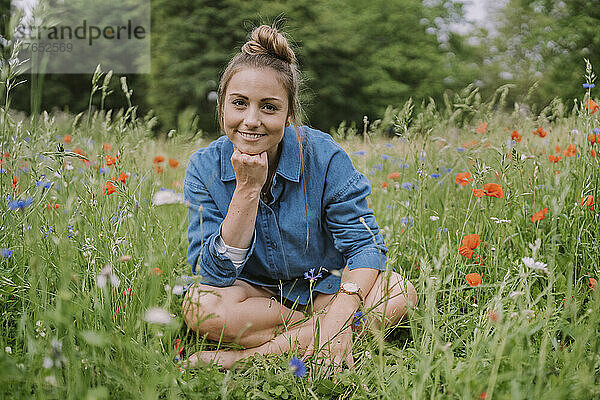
(273,199)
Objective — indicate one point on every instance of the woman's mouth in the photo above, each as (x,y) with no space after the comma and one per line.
(251,136)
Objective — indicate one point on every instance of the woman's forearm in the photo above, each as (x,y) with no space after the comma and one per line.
(238,225)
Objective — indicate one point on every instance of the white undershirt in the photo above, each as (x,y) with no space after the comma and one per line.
(236,255)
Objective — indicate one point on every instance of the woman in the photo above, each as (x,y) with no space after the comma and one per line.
(280,223)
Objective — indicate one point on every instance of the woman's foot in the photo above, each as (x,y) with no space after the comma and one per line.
(224,359)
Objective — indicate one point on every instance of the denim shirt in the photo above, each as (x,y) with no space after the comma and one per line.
(336,195)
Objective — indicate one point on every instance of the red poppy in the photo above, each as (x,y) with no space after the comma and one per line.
(15,180)
(592,138)
(571,151)
(593,153)
(178,348)
(557,149)
(493,315)
(541,132)
(482,127)
(159,169)
(591,106)
(483,396)
(110,160)
(156,271)
(516,136)
(493,190)
(554,159)
(538,216)
(465,251)
(478,192)
(123,177)
(109,188)
(173,163)
(588,201)
(67,138)
(463,178)
(394,175)
(384,185)
(471,241)
(473,279)
(592,283)
(51,206)
(158,159)
(107,147)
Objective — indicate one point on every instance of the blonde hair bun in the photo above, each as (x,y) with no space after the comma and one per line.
(267,40)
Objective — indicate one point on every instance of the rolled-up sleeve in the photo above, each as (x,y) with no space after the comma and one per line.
(204,230)
(345,205)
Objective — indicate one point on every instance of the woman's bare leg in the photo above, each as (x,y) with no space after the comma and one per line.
(242,313)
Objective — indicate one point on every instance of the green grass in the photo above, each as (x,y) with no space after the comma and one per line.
(65,337)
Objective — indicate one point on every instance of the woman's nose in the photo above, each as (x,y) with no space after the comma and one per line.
(251,118)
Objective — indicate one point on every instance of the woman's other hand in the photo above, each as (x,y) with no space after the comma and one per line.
(250,170)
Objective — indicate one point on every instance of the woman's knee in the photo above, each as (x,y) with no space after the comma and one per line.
(202,307)
(395,296)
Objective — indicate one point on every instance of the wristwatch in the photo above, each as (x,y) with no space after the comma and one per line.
(351,288)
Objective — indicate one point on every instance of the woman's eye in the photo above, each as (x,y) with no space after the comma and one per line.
(271,107)
(238,102)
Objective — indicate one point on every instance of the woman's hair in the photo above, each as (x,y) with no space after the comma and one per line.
(269,48)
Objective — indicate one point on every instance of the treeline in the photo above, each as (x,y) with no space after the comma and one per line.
(357,57)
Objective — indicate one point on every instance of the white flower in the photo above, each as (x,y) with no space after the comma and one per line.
(48,363)
(434,218)
(8,350)
(107,275)
(535,265)
(157,315)
(167,197)
(69,166)
(178,290)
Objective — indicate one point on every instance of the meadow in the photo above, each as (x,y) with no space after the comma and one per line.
(490,214)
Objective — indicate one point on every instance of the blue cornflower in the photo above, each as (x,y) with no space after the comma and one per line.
(403,165)
(6,253)
(407,221)
(435,175)
(310,275)
(389,145)
(460,149)
(588,85)
(359,318)
(43,182)
(386,157)
(442,229)
(407,185)
(378,167)
(103,170)
(389,206)
(447,170)
(359,153)
(596,130)
(70,232)
(298,367)
(18,204)
(114,219)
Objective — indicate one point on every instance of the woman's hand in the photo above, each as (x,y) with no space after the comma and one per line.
(334,342)
(250,170)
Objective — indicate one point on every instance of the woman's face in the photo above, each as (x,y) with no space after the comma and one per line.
(255,102)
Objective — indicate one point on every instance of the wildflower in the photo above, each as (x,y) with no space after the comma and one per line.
(360,153)
(593,153)
(482,128)
(554,159)
(435,175)
(107,275)
(6,253)
(493,190)
(15,180)
(178,349)
(384,185)
(470,243)
(483,396)
(389,145)
(588,85)
(592,283)
(540,131)
(67,138)
(107,147)
(463,178)
(109,188)
(102,170)
(593,139)
(460,149)
(535,265)
(123,177)
(159,169)
(45,184)
(165,196)
(385,156)
(478,192)
(157,315)
(359,318)
(407,185)
(158,159)
(298,367)
(378,167)
(591,106)
(407,221)
(310,275)
(588,201)
(516,136)
(20,204)
(110,160)
(394,175)
(173,163)
(8,350)
(571,151)
(56,358)
(156,271)
(52,206)
(473,279)
(492,315)
(538,216)
(434,218)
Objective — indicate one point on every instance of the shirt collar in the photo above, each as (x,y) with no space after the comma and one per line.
(289,161)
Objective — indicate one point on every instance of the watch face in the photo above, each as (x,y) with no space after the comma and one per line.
(350,286)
